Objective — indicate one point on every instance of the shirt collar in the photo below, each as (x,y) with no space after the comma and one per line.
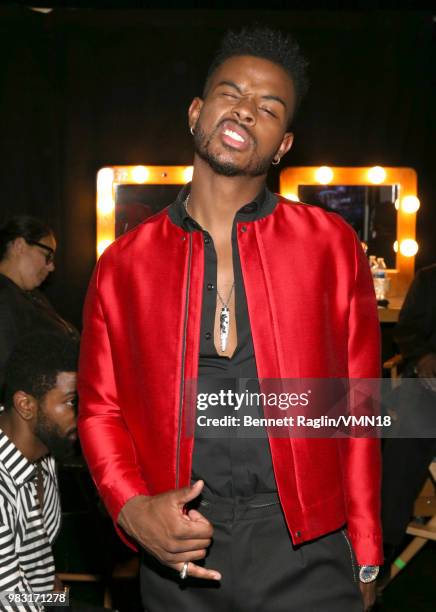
(262,205)
(20,469)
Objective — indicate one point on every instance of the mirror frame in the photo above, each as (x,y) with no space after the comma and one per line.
(402,275)
(110,177)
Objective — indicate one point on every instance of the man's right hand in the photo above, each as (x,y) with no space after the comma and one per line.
(158,523)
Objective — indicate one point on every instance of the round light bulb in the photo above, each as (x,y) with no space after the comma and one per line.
(105,202)
(408,247)
(187,174)
(105,205)
(105,178)
(140,174)
(102,246)
(376,175)
(324,175)
(410,204)
(395,246)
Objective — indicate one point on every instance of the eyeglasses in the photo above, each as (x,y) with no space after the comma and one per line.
(49,255)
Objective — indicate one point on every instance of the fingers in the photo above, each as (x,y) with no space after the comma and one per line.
(195,571)
(187,494)
(181,546)
(191,555)
(194,527)
(194,515)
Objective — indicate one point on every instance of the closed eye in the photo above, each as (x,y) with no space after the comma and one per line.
(229,95)
(268,111)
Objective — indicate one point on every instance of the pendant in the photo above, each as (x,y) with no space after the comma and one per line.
(224,327)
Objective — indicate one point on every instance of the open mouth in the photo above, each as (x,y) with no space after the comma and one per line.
(235,136)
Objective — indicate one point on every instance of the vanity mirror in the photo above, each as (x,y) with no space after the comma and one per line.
(127,195)
(381,205)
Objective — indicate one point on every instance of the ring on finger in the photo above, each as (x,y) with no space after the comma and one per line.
(184,571)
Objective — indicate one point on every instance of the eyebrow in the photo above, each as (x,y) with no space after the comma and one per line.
(71,394)
(239,90)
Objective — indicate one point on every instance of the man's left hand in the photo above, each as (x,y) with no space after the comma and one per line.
(368,591)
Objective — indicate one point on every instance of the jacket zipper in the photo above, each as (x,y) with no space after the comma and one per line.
(182,380)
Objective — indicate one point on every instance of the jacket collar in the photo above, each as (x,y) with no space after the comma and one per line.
(262,205)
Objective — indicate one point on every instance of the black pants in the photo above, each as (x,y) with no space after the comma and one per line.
(261,570)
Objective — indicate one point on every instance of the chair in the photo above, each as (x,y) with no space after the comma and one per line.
(87,550)
(393,364)
(425,503)
(122,571)
(425,506)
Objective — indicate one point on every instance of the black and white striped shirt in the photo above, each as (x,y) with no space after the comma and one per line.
(27,531)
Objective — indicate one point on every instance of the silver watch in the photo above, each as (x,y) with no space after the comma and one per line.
(368,573)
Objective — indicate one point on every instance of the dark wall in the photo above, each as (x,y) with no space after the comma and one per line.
(85,88)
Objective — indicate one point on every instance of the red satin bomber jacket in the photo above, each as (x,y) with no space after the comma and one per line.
(313,315)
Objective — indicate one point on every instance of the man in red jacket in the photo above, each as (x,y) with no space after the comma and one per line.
(228,287)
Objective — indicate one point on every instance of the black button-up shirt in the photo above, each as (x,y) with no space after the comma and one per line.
(228,459)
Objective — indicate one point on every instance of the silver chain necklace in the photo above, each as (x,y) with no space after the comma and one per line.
(225,311)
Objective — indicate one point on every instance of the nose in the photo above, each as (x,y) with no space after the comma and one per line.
(245,111)
(51,266)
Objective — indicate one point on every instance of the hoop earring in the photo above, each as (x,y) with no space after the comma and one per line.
(275,161)
(191,129)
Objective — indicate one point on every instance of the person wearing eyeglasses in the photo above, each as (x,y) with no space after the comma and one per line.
(27,252)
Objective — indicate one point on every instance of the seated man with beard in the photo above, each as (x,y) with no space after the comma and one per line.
(37,425)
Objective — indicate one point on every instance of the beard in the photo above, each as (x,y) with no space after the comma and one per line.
(60,446)
(256,166)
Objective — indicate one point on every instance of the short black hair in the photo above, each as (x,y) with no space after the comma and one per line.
(21,226)
(35,363)
(273,45)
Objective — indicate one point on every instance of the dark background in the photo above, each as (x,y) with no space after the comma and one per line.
(83,88)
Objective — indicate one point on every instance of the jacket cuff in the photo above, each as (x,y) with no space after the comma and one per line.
(367,549)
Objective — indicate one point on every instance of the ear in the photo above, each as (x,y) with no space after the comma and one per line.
(17,246)
(286,144)
(194,112)
(25,405)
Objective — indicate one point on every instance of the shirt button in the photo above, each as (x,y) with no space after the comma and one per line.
(210,286)
(244,228)
(206,240)
(208,335)
(298,534)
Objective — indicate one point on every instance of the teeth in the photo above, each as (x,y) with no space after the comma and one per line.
(234,135)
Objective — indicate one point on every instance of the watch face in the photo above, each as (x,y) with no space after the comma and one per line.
(368,573)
